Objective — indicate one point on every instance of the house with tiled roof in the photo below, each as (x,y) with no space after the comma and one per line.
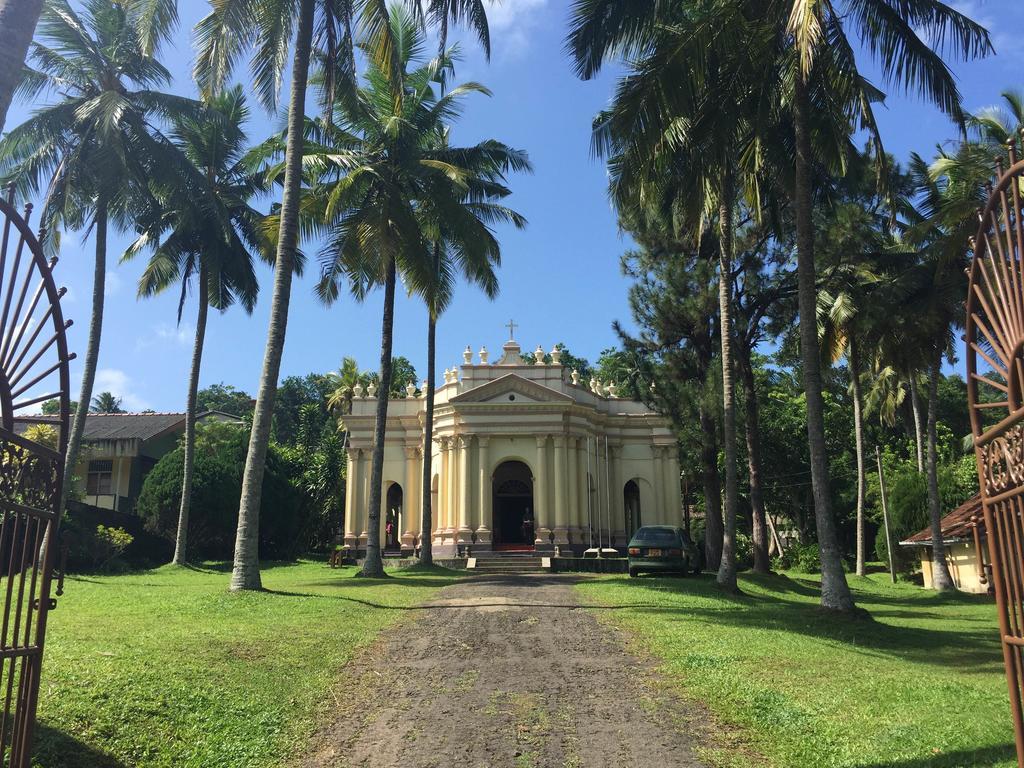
(119,450)
(963,533)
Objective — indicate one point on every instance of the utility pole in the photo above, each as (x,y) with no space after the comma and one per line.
(885,513)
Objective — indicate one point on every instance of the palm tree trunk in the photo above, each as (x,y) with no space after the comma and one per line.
(915,406)
(762,563)
(426,518)
(727,564)
(858,431)
(17,25)
(246,571)
(92,351)
(942,580)
(712,490)
(373,566)
(181,542)
(835,592)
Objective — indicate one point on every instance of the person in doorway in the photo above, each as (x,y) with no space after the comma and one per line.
(528,529)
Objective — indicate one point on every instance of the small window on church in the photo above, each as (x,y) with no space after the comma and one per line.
(511,397)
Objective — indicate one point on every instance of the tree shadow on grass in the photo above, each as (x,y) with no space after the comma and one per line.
(784,609)
(56,749)
(976,758)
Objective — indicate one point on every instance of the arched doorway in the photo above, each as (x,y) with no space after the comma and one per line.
(393,519)
(631,504)
(512,489)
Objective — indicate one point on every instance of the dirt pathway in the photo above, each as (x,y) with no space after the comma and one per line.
(502,671)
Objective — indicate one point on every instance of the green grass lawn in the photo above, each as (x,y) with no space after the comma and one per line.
(919,685)
(165,668)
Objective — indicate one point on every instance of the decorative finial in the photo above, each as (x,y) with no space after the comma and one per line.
(410,389)
(483,355)
(556,355)
(467,355)
(371,390)
(611,389)
(357,390)
(538,354)
(423,389)
(575,377)
(593,385)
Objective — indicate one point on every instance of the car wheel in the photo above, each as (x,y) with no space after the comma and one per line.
(633,573)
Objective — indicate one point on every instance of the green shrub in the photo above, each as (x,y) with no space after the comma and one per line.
(798,557)
(216,491)
(908,505)
(96,549)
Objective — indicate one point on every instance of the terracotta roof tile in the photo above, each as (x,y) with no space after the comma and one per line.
(955,525)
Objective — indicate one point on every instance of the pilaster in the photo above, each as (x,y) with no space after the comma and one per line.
(561,517)
(484,490)
(541,511)
(659,483)
(464,534)
(618,512)
(351,502)
(410,500)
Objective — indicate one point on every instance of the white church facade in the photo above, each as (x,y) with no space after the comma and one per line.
(524,456)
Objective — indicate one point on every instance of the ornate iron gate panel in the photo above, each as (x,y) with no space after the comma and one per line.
(995,387)
(33,369)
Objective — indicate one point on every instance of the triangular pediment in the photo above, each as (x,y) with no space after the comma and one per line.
(520,389)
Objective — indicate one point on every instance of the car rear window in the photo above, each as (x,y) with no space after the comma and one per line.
(657,535)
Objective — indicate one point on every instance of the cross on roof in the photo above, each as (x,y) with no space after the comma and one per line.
(511,325)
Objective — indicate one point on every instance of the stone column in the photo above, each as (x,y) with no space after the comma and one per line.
(582,492)
(483,465)
(672,495)
(465,532)
(659,484)
(364,500)
(351,502)
(572,493)
(618,515)
(561,517)
(541,511)
(410,499)
(441,513)
(450,495)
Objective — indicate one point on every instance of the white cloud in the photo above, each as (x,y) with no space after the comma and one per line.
(112,286)
(164,334)
(120,385)
(511,23)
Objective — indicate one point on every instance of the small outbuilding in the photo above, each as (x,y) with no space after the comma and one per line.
(963,533)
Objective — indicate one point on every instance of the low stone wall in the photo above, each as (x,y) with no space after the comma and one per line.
(589,565)
(407,562)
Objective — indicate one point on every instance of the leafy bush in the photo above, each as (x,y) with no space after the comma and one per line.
(798,557)
(216,491)
(908,504)
(96,548)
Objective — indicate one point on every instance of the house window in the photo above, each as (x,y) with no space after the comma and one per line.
(99,481)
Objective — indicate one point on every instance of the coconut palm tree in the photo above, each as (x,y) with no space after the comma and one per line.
(106,402)
(202,237)
(385,179)
(677,130)
(323,30)
(457,224)
(93,149)
(817,79)
(18,20)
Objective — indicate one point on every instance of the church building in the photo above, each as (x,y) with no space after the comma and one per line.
(525,456)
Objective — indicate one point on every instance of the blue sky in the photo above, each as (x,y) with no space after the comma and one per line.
(560,278)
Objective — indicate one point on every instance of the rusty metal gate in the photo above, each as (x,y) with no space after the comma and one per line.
(995,388)
(33,369)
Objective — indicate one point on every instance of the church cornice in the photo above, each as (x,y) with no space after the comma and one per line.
(511,383)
